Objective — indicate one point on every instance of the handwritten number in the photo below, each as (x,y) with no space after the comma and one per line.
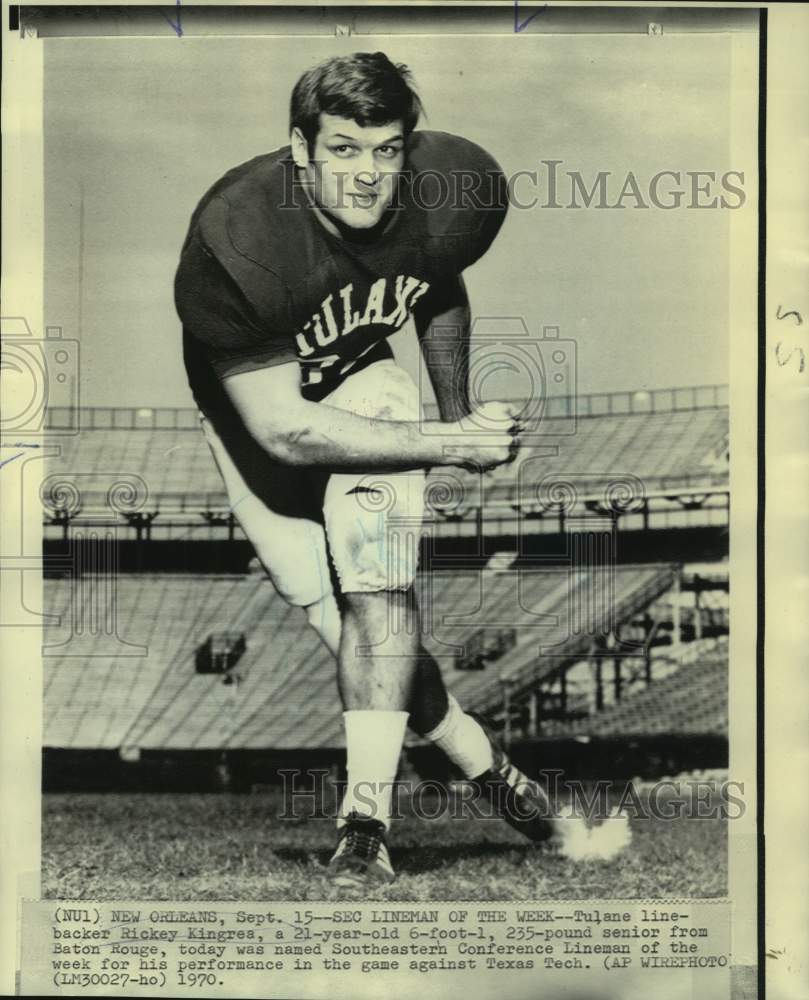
(786,315)
(785,361)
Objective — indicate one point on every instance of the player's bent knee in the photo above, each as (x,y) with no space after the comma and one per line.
(375,549)
(376,563)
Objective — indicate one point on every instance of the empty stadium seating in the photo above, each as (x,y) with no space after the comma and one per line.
(120,660)
(667,449)
(693,700)
(660,449)
(125,674)
(175,464)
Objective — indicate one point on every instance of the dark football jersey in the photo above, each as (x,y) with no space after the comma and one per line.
(262,282)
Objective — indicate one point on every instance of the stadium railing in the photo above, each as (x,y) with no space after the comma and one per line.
(584,405)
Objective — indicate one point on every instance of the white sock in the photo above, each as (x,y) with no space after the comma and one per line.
(463,740)
(373,747)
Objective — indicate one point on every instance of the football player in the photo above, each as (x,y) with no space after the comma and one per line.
(297,267)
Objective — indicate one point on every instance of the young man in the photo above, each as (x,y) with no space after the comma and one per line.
(297,267)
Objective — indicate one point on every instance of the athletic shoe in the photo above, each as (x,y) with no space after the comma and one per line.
(362,856)
(516,798)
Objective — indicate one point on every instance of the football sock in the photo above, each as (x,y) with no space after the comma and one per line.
(324,617)
(463,740)
(373,747)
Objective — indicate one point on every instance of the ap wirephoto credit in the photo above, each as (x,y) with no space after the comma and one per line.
(390,374)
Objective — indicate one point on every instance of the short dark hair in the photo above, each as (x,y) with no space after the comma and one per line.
(365,87)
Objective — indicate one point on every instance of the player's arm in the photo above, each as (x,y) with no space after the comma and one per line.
(442,324)
(298,432)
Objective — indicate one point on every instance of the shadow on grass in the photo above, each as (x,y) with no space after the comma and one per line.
(414,861)
(300,856)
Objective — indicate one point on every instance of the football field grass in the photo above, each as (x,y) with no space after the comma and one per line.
(235,847)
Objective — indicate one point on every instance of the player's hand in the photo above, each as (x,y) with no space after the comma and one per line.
(487,438)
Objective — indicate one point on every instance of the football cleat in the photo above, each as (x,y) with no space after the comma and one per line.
(361,857)
(515,797)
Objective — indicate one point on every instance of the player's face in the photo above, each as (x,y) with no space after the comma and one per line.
(353,171)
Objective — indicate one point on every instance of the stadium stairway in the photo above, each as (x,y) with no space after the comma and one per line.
(566,612)
(693,701)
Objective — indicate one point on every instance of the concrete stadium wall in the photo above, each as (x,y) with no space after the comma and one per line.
(245,771)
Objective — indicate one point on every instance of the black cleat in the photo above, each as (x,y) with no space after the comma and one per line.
(516,798)
(361,857)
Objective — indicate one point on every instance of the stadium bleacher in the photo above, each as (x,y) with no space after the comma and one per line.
(515,631)
(90,699)
(552,596)
(175,462)
(693,700)
(674,446)
(662,449)
(285,694)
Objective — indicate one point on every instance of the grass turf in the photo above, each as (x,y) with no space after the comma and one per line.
(234,847)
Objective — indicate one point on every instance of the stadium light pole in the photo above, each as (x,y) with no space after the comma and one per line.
(697,607)
(675,613)
(533,713)
(505,685)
